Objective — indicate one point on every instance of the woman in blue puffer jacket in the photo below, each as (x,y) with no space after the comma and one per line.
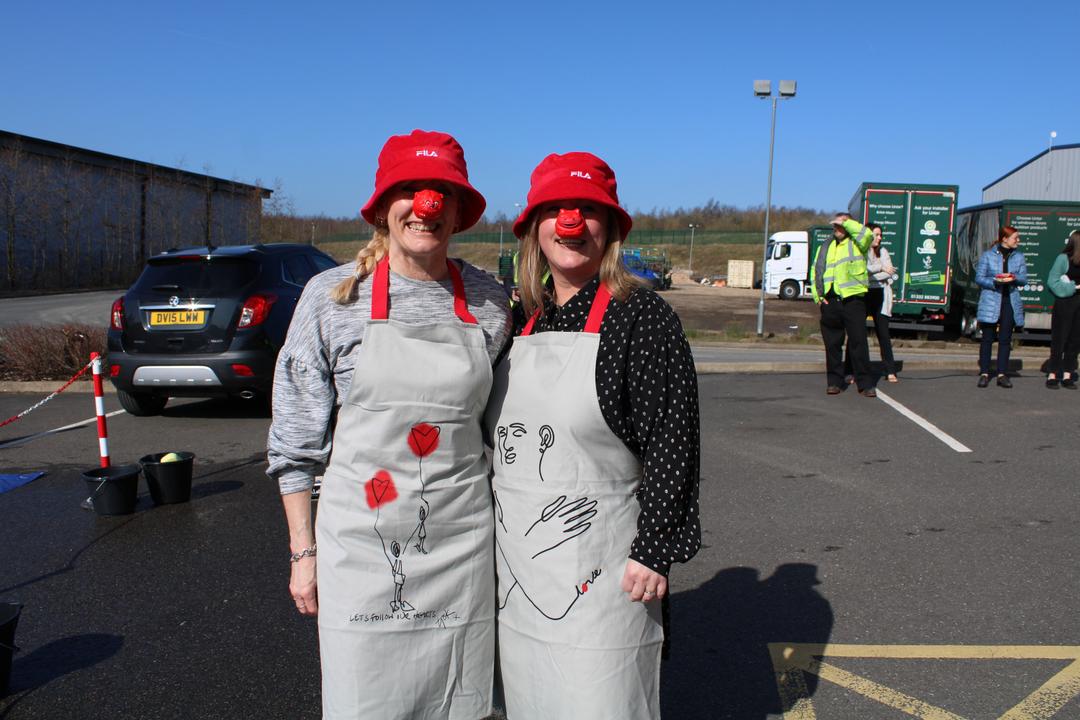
(1001,272)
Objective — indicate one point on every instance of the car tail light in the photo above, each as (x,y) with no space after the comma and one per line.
(114,370)
(116,317)
(243,370)
(256,309)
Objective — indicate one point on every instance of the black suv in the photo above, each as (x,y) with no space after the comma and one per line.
(206,322)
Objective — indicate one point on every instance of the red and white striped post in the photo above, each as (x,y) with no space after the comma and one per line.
(99,407)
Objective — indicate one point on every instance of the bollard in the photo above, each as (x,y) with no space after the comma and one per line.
(99,407)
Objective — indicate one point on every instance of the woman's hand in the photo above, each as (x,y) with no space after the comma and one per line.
(303,587)
(642,583)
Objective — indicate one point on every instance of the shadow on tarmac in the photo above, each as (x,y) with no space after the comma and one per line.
(218,409)
(720,665)
(70,564)
(56,659)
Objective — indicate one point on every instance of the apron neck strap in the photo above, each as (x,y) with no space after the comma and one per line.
(596,312)
(380,292)
(599,307)
(529,325)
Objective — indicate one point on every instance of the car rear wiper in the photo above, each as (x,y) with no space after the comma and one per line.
(163,288)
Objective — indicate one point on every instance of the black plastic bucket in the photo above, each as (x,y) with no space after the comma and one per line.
(113,490)
(169,482)
(9,618)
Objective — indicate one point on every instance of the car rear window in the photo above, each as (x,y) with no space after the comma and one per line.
(198,275)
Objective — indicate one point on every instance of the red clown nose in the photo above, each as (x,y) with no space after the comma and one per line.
(570,224)
(428,204)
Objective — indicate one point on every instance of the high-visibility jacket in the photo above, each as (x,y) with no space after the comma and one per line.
(840,265)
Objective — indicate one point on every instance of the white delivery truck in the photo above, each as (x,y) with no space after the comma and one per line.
(789,254)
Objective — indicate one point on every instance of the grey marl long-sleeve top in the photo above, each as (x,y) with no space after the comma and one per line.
(316,364)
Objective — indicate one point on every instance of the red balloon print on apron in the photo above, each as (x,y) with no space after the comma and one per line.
(380,490)
(423,439)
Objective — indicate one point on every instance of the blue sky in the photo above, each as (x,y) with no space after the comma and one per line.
(936,92)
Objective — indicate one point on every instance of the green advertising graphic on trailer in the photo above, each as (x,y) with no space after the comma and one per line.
(1043,226)
(917,230)
(929,245)
(1043,233)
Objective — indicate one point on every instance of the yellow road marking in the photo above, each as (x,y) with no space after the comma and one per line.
(792,660)
(1050,697)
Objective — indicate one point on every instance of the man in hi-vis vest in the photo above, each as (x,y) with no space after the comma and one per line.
(839,287)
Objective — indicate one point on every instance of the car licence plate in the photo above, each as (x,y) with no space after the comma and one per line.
(177,317)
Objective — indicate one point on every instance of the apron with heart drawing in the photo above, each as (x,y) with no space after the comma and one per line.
(404,527)
(571,644)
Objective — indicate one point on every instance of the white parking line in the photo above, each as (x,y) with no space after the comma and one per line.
(925,424)
(28,438)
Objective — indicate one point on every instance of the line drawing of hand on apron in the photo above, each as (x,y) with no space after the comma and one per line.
(558,522)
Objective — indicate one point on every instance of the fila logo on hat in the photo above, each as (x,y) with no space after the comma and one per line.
(427,153)
(581,174)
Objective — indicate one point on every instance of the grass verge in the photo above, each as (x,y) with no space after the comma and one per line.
(47,352)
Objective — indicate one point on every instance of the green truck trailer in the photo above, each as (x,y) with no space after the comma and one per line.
(1043,226)
(917,223)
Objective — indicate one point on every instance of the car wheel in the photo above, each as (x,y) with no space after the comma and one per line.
(789,290)
(141,404)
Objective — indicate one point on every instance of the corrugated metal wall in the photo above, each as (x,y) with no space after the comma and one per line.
(1049,176)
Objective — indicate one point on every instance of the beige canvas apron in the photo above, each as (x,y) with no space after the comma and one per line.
(571,644)
(406,593)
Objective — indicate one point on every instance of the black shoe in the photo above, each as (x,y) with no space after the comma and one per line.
(1053,383)
(1069,383)
(984,380)
(1004,381)
(868,392)
(832,390)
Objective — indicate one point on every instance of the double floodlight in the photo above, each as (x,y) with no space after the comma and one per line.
(763,88)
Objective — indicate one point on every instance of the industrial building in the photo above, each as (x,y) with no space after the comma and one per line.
(74,218)
(1053,174)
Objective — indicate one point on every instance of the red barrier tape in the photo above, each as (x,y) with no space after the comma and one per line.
(29,410)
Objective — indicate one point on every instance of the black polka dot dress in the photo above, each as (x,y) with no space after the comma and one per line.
(647,387)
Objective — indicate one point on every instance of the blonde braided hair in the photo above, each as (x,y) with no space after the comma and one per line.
(346,291)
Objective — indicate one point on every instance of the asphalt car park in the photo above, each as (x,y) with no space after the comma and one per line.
(855,564)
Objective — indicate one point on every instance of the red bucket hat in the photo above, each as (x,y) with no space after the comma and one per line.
(573,176)
(423,155)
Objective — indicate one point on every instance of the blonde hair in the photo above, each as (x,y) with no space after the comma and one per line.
(345,292)
(533,266)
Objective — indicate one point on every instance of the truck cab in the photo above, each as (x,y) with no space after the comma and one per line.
(786,264)
(788,258)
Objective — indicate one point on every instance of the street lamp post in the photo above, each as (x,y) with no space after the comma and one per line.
(692,227)
(763,90)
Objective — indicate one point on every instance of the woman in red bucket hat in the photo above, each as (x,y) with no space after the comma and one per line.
(594,428)
(380,388)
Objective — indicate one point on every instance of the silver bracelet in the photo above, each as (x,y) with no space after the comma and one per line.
(306,552)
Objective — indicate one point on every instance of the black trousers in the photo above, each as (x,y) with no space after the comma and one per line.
(1064,336)
(875,297)
(845,319)
(1003,330)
